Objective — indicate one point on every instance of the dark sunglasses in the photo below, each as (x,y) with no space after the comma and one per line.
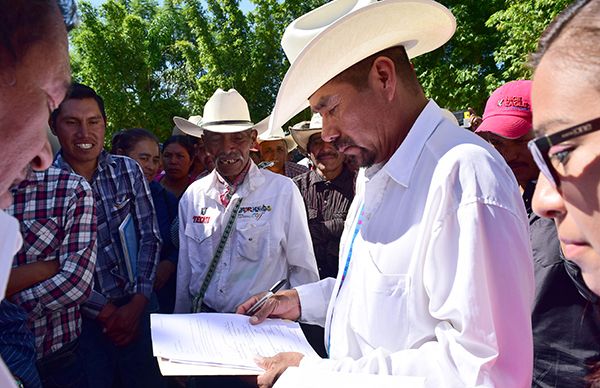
(540,146)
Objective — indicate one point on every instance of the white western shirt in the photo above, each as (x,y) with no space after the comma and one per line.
(440,283)
(270,240)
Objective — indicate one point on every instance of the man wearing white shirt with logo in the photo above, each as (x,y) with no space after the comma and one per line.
(435,276)
(256,216)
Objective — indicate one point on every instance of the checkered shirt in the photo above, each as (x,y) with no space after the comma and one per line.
(58,222)
(120,188)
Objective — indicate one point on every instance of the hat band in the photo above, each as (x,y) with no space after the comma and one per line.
(227,122)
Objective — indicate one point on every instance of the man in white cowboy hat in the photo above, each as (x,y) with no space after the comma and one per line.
(274,146)
(241,229)
(435,275)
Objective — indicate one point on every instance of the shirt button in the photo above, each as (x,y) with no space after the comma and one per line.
(221,291)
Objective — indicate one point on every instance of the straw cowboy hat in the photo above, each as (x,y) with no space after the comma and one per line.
(328,40)
(224,112)
(277,134)
(302,131)
(190,126)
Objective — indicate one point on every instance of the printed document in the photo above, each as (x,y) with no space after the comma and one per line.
(221,341)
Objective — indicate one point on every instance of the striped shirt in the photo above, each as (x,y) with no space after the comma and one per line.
(58,222)
(120,188)
(327,204)
(292,169)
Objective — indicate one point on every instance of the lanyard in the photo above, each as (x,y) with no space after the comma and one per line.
(357,228)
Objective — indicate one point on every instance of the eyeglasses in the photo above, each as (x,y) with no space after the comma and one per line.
(549,164)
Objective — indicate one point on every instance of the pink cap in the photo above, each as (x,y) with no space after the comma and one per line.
(508,110)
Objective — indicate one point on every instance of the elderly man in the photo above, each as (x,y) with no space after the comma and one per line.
(34,76)
(241,229)
(115,337)
(275,149)
(428,285)
(566,326)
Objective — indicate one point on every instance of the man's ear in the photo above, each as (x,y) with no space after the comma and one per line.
(253,135)
(382,76)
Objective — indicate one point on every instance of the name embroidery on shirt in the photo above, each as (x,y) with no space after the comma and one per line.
(254,211)
(201,219)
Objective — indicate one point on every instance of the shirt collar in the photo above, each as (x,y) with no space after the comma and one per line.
(254,179)
(103,160)
(401,165)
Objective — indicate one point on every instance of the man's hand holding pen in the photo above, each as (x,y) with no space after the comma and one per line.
(283,304)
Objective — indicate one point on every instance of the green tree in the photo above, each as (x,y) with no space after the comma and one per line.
(124,50)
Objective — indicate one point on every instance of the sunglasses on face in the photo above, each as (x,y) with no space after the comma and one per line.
(540,147)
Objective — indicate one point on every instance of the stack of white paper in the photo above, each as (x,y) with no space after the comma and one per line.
(227,342)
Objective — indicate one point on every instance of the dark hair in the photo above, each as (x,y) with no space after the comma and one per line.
(183,141)
(126,139)
(23,24)
(356,75)
(79,91)
(580,36)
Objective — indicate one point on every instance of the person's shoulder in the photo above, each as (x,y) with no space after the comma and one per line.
(64,182)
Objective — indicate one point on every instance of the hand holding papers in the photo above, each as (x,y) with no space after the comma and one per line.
(222,341)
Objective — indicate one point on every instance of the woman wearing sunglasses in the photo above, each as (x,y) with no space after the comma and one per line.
(566,106)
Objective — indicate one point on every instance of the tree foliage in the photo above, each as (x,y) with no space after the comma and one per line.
(151,60)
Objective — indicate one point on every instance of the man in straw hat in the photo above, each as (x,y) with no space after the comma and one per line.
(241,229)
(274,147)
(435,276)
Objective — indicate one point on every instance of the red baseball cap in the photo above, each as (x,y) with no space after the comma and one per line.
(508,110)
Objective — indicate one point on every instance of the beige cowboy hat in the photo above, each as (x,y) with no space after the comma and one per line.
(328,40)
(277,134)
(189,126)
(224,112)
(302,131)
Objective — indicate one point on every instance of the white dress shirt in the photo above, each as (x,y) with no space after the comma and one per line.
(10,243)
(270,240)
(440,283)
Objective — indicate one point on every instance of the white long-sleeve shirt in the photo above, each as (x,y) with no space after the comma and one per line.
(440,283)
(270,241)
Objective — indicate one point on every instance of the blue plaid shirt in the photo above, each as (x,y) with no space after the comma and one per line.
(120,188)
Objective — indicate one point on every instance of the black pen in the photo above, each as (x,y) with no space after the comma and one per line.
(276,287)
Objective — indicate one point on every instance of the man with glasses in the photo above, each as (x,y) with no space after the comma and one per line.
(564,325)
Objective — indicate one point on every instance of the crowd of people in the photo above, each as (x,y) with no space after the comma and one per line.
(409,246)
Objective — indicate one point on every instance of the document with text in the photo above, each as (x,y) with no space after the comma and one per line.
(203,343)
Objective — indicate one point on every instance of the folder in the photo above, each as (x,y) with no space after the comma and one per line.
(129,244)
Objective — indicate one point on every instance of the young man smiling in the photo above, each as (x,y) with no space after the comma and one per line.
(117,308)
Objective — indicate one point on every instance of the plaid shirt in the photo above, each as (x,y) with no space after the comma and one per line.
(58,222)
(120,188)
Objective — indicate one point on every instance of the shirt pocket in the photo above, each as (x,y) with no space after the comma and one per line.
(121,207)
(380,307)
(43,237)
(254,241)
(200,245)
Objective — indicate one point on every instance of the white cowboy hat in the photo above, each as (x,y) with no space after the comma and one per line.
(328,40)
(277,134)
(189,126)
(302,131)
(224,112)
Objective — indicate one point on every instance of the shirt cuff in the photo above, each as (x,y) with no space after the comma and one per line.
(144,287)
(314,299)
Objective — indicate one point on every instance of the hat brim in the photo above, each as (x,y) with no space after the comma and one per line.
(508,127)
(289,141)
(196,130)
(187,126)
(420,26)
(302,136)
